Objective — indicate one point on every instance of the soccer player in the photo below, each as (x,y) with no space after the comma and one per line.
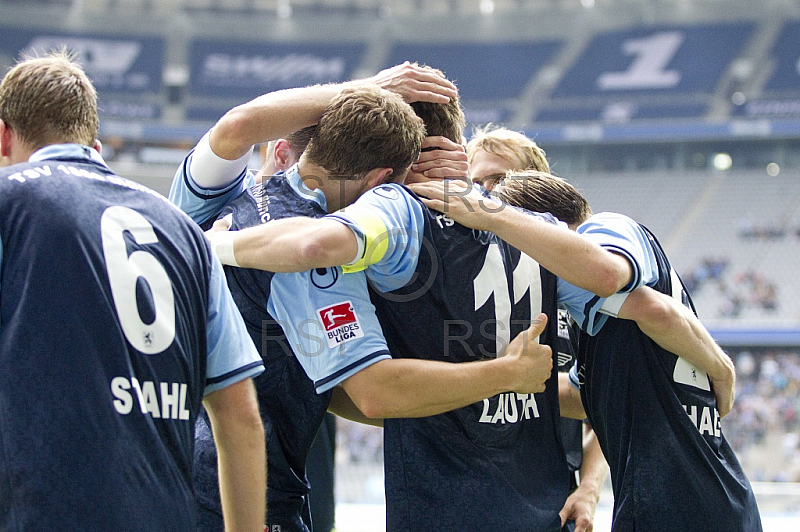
(426,270)
(656,414)
(115,324)
(492,152)
(365,136)
(282,154)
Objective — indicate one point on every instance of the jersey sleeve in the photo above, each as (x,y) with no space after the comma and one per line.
(228,178)
(574,378)
(389,225)
(232,356)
(329,321)
(618,234)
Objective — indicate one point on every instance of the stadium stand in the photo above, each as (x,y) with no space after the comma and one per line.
(491,76)
(780,97)
(621,73)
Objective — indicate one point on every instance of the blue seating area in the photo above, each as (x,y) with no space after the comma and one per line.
(786,54)
(246,69)
(780,97)
(672,61)
(483,71)
(490,76)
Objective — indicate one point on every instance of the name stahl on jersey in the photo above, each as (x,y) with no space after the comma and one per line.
(656,419)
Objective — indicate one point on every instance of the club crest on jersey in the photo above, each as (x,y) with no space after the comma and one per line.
(340,323)
(387,192)
(324,278)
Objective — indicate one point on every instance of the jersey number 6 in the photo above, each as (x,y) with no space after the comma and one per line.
(124,272)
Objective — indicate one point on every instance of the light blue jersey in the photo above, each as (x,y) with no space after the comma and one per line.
(203,204)
(619,234)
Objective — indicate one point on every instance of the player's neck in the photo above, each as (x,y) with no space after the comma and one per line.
(315,177)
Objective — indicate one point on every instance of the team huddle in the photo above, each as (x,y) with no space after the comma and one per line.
(157,378)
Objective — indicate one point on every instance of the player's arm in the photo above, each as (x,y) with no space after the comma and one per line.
(213,173)
(582,503)
(675,328)
(343,406)
(373,229)
(569,398)
(241,454)
(230,399)
(556,248)
(280,113)
(287,245)
(405,387)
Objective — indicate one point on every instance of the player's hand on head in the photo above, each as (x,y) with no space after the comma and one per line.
(460,201)
(534,361)
(440,158)
(415,83)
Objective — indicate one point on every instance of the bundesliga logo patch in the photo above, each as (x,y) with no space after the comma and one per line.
(340,323)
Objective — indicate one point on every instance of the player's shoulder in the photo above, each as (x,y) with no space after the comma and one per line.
(392,201)
(393,192)
(611,223)
(609,219)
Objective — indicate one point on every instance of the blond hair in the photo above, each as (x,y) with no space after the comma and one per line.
(365,128)
(49,100)
(522,152)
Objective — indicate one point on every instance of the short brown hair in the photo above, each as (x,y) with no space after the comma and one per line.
(442,119)
(364,128)
(511,145)
(48,100)
(299,139)
(543,192)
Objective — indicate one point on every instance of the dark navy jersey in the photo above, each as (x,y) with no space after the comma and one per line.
(571,429)
(657,422)
(446,292)
(104,318)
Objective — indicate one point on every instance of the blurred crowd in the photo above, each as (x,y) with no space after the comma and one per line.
(763,427)
(738,290)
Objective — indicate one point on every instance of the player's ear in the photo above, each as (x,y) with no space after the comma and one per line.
(379,176)
(283,154)
(98,146)
(5,139)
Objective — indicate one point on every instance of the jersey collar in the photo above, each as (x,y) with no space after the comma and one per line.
(296,182)
(67,151)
